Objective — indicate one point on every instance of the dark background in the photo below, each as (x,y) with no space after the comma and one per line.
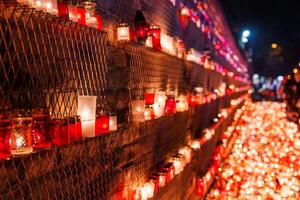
(269,21)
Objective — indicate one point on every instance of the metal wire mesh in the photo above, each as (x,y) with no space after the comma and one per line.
(47,62)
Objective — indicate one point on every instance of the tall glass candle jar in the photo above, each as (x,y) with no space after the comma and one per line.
(170,106)
(40,128)
(102,124)
(21,133)
(5,131)
(78,127)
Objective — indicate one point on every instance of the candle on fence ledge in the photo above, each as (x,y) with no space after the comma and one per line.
(195,144)
(62,9)
(170,105)
(186,152)
(80,15)
(200,186)
(137,194)
(162,178)
(149,97)
(167,171)
(78,127)
(141,29)
(5,131)
(87,112)
(138,110)
(113,123)
(149,113)
(73,13)
(149,189)
(51,6)
(159,105)
(102,124)
(60,132)
(91,18)
(182,103)
(123,32)
(155,32)
(72,128)
(149,42)
(21,133)
(178,162)
(170,166)
(40,128)
(155,179)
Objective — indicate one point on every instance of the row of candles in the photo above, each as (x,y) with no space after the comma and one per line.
(177,162)
(83,13)
(157,104)
(21,131)
(264,163)
(203,182)
(153,37)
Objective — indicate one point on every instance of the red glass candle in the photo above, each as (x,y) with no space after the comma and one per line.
(81,15)
(162,178)
(60,132)
(62,9)
(155,32)
(170,106)
(149,113)
(141,31)
(136,195)
(193,100)
(102,124)
(99,22)
(200,187)
(5,131)
(40,128)
(167,171)
(155,179)
(149,98)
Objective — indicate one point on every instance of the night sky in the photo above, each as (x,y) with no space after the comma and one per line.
(269,21)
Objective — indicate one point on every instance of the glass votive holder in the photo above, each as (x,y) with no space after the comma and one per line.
(21,132)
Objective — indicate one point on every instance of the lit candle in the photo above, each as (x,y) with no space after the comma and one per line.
(162,178)
(113,123)
(87,111)
(123,32)
(186,152)
(102,124)
(149,189)
(195,144)
(155,32)
(182,104)
(138,110)
(21,133)
(40,128)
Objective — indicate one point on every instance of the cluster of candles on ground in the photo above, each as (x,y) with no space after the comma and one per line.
(265,160)
(203,182)
(21,131)
(179,160)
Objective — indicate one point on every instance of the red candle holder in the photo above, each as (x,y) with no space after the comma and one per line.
(200,187)
(60,132)
(162,178)
(141,31)
(102,124)
(40,128)
(63,10)
(149,98)
(193,100)
(155,32)
(99,22)
(170,106)
(167,171)
(81,15)
(5,131)
(72,128)
(155,179)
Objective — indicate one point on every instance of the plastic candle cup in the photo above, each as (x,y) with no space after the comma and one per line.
(41,128)
(123,32)
(87,112)
(5,131)
(138,110)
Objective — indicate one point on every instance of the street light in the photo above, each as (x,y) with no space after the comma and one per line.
(274,46)
(246,33)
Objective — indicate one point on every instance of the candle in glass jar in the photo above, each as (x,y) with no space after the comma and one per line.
(149,189)
(159,104)
(137,110)
(170,105)
(177,164)
(62,9)
(182,104)
(136,195)
(149,98)
(5,131)
(162,178)
(21,133)
(186,151)
(149,113)
(41,128)
(102,124)
(60,132)
(123,32)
